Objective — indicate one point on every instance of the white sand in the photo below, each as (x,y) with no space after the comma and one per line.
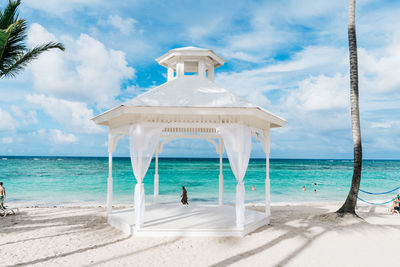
(298,236)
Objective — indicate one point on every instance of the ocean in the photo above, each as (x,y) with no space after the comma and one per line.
(46,181)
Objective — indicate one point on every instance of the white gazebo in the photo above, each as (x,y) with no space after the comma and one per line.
(189,105)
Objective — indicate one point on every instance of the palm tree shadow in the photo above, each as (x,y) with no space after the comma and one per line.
(28,263)
(323,221)
(132,253)
(59,218)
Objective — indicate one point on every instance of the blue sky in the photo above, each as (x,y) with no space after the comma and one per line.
(290,57)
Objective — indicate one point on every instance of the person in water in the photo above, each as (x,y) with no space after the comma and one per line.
(184,199)
(2,195)
(304,188)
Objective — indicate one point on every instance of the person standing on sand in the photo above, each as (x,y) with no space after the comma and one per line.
(396,204)
(184,196)
(2,195)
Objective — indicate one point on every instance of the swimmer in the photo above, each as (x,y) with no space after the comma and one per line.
(304,188)
(253,188)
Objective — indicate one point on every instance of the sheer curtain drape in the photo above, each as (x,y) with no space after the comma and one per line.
(143,140)
(237,141)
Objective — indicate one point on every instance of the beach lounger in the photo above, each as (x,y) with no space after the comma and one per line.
(6,211)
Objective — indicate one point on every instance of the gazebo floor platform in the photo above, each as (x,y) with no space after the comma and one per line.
(191,220)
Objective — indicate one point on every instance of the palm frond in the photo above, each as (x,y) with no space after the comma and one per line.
(15,46)
(9,14)
(5,36)
(14,54)
(26,58)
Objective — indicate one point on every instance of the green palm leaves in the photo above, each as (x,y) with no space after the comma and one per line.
(14,54)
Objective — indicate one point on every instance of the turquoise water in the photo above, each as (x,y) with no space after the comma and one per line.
(65,180)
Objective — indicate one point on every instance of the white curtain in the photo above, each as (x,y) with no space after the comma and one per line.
(237,141)
(143,140)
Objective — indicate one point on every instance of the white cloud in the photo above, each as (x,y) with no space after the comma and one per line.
(247,84)
(254,84)
(203,28)
(320,93)
(74,115)
(7,140)
(7,122)
(86,71)
(125,26)
(386,124)
(57,136)
(271,28)
(25,118)
(41,132)
(380,69)
(62,138)
(312,58)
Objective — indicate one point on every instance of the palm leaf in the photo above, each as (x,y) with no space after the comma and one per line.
(25,59)
(14,54)
(9,15)
(5,35)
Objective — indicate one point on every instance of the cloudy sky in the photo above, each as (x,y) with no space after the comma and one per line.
(290,57)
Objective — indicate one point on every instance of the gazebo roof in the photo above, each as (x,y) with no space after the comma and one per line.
(189,91)
(192,99)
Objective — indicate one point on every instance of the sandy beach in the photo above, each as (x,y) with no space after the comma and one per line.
(299,235)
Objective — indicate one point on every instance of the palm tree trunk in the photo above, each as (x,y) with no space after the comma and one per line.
(351,201)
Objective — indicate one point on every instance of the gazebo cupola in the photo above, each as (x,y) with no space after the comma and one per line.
(190,60)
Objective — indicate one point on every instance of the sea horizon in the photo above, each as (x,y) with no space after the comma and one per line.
(178,157)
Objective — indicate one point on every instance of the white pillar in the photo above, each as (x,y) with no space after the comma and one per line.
(109,184)
(202,68)
(267,149)
(221,182)
(170,73)
(267,189)
(240,208)
(156,179)
(180,68)
(211,73)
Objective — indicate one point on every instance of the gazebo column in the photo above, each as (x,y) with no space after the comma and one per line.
(267,189)
(170,73)
(156,179)
(180,68)
(109,184)
(112,143)
(267,148)
(211,73)
(221,182)
(202,68)
(221,176)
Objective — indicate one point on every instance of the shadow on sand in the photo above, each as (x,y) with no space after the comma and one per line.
(304,222)
(293,223)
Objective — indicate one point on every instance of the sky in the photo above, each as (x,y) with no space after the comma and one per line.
(289,57)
